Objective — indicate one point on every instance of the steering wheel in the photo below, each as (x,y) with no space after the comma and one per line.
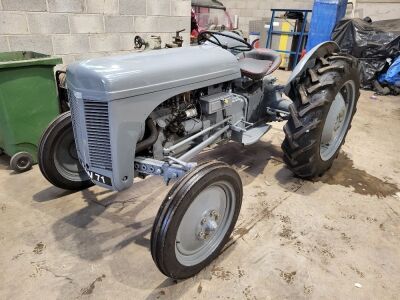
(210,36)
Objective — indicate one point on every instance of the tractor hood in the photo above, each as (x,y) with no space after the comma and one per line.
(141,73)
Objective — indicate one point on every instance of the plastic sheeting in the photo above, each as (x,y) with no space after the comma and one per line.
(375,44)
(392,76)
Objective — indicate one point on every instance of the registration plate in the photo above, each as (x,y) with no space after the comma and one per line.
(99,178)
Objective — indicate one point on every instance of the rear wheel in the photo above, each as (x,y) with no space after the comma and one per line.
(321,116)
(58,159)
(196,219)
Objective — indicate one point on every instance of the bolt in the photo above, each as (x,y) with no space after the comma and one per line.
(214,214)
(201,235)
(203,221)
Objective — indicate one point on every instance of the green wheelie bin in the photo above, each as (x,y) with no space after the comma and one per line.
(28,103)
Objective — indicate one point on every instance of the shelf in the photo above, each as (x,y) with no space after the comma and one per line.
(277,32)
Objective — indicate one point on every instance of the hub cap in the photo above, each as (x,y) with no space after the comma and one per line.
(66,157)
(337,121)
(205,223)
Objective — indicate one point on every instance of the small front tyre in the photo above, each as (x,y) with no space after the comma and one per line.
(196,219)
(57,156)
(321,115)
(21,162)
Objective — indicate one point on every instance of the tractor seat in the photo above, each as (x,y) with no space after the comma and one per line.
(259,62)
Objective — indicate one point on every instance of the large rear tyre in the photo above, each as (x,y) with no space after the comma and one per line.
(196,219)
(321,115)
(57,156)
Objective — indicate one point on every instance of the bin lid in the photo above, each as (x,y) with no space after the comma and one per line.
(27,58)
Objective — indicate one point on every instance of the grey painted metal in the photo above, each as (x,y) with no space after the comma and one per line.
(337,120)
(168,171)
(205,223)
(254,134)
(197,149)
(134,85)
(191,138)
(117,77)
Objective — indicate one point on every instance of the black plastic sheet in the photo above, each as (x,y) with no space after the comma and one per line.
(375,44)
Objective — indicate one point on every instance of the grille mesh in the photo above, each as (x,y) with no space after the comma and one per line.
(98,133)
(76,119)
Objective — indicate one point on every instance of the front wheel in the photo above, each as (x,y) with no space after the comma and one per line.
(321,116)
(57,156)
(196,219)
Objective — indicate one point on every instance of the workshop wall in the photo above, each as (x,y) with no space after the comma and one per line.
(79,29)
(257,9)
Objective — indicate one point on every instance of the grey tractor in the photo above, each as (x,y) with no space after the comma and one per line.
(151,113)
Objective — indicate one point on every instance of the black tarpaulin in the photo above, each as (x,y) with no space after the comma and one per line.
(375,44)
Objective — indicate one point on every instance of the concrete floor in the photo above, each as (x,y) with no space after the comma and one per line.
(294,238)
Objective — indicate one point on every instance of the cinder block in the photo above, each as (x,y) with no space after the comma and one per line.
(86,24)
(265,5)
(158,7)
(75,6)
(86,56)
(161,24)
(378,11)
(108,7)
(132,7)
(119,24)
(118,53)
(104,42)
(71,44)
(38,43)
(68,59)
(127,41)
(26,5)
(13,23)
(181,8)
(48,23)
(4,44)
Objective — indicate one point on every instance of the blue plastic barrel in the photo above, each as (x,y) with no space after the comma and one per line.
(325,15)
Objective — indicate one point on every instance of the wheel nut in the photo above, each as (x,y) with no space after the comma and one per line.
(201,235)
(203,221)
(214,214)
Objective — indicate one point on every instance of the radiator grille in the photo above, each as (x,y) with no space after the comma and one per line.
(98,134)
(76,119)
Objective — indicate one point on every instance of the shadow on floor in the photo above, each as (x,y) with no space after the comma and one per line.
(112,220)
(51,193)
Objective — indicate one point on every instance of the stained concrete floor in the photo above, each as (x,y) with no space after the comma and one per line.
(294,238)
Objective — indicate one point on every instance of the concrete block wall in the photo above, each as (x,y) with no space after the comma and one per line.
(258,9)
(80,29)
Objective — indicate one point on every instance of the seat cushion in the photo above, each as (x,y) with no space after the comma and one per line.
(257,63)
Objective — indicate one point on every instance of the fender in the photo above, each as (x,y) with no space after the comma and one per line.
(307,62)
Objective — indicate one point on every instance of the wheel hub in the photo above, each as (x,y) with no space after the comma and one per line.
(337,121)
(208,225)
(205,222)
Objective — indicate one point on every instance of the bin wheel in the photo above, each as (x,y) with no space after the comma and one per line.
(21,162)
(196,219)
(58,160)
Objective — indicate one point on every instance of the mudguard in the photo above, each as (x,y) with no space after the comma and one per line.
(307,62)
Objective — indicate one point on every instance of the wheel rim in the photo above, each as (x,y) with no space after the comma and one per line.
(23,163)
(205,223)
(337,121)
(66,157)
